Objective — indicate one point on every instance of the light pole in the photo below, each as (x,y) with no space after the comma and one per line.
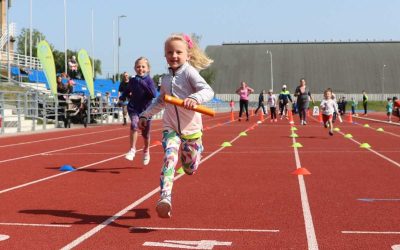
(383,82)
(65,36)
(272,73)
(30,35)
(119,44)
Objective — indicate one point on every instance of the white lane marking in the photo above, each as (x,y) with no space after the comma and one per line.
(375,120)
(310,231)
(4,237)
(105,223)
(58,138)
(396,247)
(61,149)
(369,232)
(32,225)
(383,132)
(375,152)
(207,229)
(57,175)
(377,199)
(184,244)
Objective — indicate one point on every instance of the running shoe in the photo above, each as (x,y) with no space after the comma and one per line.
(130,155)
(164,208)
(330,133)
(146,158)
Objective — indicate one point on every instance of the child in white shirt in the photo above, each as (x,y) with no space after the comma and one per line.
(328,106)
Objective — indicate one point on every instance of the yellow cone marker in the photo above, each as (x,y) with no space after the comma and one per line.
(365,145)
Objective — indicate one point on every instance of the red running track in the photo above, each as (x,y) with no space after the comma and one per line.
(242,197)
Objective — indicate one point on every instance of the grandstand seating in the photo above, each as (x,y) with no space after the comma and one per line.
(101,86)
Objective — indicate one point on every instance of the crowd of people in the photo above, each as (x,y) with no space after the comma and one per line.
(301,102)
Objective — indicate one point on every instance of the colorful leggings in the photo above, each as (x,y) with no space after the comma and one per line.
(190,156)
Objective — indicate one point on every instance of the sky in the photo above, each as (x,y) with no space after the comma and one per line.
(148,23)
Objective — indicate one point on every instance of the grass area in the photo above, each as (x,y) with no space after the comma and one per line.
(10,87)
(378,106)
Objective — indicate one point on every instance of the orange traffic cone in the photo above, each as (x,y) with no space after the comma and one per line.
(290,117)
(320,117)
(350,118)
(232,117)
(301,171)
(261,116)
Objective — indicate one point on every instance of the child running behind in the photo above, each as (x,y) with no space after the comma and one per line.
(182,127)
(328,106)
(140,91)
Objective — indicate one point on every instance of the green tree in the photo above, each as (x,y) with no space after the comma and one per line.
(59,59)
(25,35)
(209,75)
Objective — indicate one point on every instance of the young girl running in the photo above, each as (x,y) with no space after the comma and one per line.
(140,91)
(328,107)
(181,124)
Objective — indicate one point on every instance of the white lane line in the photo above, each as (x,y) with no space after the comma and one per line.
(33,225)
(4,237)
(61,149)
(375,152)
(376,120)
(207,229)
(105,223)
(58,138)
(369,232)
(383,132)
(57,175)
(310,231)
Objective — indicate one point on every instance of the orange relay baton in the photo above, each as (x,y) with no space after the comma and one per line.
(199,108)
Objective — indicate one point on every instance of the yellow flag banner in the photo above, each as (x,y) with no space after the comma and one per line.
(86,67)
(46,58)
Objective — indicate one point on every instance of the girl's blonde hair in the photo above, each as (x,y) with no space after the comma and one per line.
(198,58)
(144,59)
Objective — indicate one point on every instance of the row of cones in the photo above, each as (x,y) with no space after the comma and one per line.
(349,118)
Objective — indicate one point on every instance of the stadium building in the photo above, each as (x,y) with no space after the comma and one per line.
(347,67)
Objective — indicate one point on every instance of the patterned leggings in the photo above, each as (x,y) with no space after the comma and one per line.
(190,156)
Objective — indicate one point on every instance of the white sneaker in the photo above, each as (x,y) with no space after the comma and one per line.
(130,155)
(146,158)
(164,208)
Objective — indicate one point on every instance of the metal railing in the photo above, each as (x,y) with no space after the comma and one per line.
(33,111)
(316,97)
(21,61)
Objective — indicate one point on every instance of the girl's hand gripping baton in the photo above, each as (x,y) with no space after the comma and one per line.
(198,108)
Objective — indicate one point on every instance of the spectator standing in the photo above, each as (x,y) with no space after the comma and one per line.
(244,91)
(389,109)
(232,105)
(271,102)
(365,102)
(303,95)
(261,102)
(284,98)
(354,104)
(123,86)
(396,107)
(73,67)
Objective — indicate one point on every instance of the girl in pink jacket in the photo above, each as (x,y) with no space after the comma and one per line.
(181,125)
